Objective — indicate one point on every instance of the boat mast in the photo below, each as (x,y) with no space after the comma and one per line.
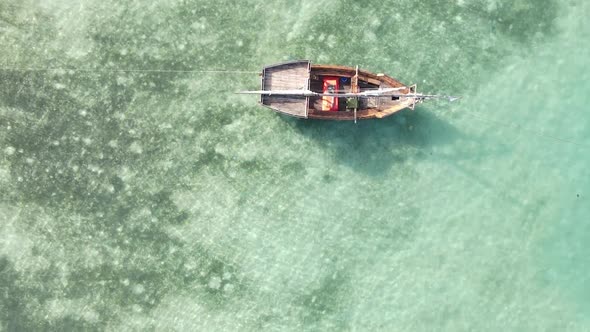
(307,93)
(387,92)
(355,89)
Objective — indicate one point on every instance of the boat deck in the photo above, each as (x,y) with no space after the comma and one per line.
(288,76)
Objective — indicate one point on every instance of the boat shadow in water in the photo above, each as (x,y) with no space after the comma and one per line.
(373,147)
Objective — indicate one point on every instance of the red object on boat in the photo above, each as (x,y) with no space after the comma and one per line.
(331,85)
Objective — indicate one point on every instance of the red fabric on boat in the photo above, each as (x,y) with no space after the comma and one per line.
(331,85)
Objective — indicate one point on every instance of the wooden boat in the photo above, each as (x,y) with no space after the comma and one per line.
(304,90)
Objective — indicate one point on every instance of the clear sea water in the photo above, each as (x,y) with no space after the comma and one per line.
(163,201)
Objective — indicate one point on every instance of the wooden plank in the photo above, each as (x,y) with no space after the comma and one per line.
(288,76)
(354,84)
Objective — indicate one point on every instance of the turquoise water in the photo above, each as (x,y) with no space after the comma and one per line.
(163,201)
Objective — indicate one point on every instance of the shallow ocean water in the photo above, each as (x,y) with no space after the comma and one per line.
(161,200)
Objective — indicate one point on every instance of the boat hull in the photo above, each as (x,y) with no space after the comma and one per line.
(302,75)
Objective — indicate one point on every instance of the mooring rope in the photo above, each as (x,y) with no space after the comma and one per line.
(222,71)
(215,71)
